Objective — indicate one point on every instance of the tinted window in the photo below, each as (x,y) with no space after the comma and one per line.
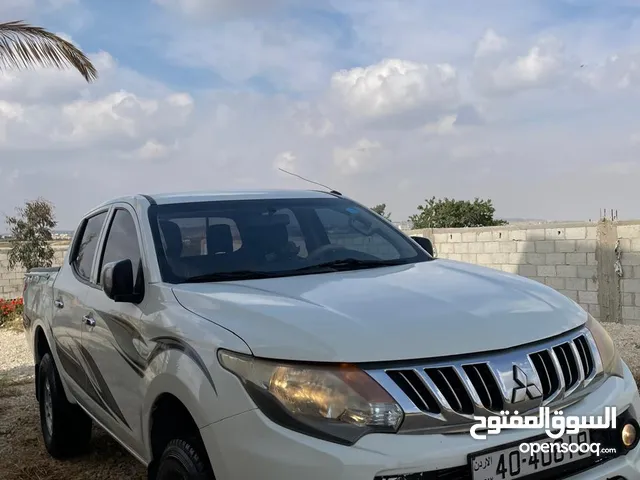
(295,232)
(122,241)
(86,249)
(343,231)
(201,234)
(273,237)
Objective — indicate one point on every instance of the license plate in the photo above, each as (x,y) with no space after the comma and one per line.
(510,463)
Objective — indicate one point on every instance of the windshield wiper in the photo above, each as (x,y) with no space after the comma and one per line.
(350,264)
(222,276)
(332,266)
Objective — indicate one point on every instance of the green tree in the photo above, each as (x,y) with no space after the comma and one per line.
(380,210)
(24,46)
(32,233)
(450,213)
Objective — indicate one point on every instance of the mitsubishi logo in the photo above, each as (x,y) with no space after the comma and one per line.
(524,388)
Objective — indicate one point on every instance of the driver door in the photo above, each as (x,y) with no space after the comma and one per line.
(111,338)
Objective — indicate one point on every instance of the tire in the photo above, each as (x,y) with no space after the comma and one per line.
(184,460)
(66,428)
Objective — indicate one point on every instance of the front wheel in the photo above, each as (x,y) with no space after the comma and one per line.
(184,460)
(66,428)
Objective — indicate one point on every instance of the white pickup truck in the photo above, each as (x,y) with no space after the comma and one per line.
(298,335)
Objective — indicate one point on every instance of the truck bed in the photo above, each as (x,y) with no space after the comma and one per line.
(38,293)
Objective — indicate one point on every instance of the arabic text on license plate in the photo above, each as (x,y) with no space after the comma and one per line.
(510,463)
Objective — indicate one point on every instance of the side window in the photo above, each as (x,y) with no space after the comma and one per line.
(86,249)
(341,232)
(122,241)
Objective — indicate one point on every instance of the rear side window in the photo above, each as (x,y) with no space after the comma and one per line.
(86,248)
(122,241)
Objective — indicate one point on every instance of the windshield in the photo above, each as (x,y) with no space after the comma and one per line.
(242,239)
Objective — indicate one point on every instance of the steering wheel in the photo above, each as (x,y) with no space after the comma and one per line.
(323,250)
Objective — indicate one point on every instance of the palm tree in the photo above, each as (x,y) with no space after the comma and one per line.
(24,46)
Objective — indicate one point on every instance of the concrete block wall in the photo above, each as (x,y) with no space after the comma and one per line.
(597,264)
(11,281)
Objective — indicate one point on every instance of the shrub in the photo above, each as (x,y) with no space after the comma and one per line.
(10,310)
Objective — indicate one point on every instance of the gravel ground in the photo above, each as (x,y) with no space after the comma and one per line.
(14,356)
(22,454)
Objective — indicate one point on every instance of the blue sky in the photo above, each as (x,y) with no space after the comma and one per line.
(532,104)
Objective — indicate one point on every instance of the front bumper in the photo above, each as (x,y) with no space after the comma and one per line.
(250,445)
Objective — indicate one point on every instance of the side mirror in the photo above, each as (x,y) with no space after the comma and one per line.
(117,282)
(424,243)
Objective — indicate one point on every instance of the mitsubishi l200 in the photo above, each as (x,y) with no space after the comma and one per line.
(299,335)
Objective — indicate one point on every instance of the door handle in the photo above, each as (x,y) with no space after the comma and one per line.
(88,320)
(59,303)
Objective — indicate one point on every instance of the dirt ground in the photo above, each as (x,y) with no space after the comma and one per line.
(22,453)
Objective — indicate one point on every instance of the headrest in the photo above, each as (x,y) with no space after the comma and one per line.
(172,237)
(219,239)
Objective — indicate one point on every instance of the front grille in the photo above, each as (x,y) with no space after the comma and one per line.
(410,383)
(485,384)
(549,379)
(448,382)
(445,395)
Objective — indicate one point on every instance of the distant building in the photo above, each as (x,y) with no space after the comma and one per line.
(406,225)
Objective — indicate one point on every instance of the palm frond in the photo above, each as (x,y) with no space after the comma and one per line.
(23,46)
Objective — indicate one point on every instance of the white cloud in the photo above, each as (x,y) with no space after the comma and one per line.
(478,151)
(197,9)
(396,86)
(53,86)
(286,161)
(119,117)
(16,7)
(356,158)
(443,126)
(618,72)
(151,150)
(284,53)
(311,121)
(618,168)
(542,65)
(490,43)
(310,90)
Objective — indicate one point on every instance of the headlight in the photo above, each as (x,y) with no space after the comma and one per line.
(337,403)
(611,361)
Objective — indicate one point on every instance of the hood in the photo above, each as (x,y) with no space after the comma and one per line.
(417,311)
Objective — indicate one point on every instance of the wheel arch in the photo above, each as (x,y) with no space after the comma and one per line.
(167,389)
(41,347)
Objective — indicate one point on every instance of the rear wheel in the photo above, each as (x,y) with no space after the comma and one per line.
(66,428)
(184,460)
